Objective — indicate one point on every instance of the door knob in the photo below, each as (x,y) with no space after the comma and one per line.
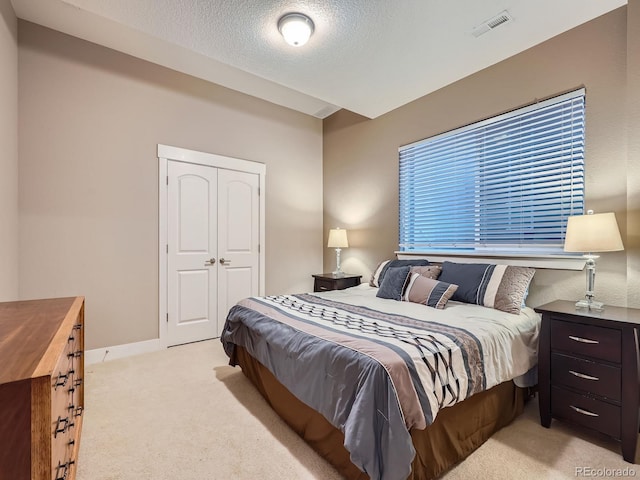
(211,261)
(224,261)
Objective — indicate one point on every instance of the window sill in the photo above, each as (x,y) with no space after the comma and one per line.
(557,262)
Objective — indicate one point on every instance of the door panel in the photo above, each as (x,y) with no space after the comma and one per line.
(238,239)
(239,284)
(193,305)
(192,241)
(193,218)
(239,221)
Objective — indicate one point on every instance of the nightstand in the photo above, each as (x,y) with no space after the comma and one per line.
(588,370)
(329,281)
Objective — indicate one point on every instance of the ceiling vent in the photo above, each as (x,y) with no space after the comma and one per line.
(500,19)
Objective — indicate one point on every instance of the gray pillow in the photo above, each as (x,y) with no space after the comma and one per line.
(428,291)
(393,284)
(496,286)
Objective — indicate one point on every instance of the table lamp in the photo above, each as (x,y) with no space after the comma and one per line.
(338,240)
(587,234)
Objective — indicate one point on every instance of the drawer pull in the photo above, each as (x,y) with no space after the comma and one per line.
(75,354)
(583,340)
(77,326)
(584,412)
(583,375)
(78,382)
(75,411)
(62,425)
(65,470)
(61,381)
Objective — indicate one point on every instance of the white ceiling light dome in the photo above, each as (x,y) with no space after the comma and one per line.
(296,28)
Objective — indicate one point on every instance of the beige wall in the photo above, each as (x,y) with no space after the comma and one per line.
(9,157)
(633,160)
(361,157)
(90,120)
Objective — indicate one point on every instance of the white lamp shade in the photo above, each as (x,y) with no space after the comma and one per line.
(593,233)
(337,238)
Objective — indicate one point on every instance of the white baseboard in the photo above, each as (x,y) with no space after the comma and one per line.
(105,354)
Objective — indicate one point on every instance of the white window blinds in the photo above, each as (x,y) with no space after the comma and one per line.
(506,183)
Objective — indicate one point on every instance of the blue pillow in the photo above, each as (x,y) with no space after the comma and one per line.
(394,283)
(501,287)
(381,270)
(471,278)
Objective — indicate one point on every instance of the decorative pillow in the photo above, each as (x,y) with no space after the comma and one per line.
(394,282)
(496,286)
(430,271)
(428,291)
(378,274)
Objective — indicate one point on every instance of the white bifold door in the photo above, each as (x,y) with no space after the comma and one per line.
(213,222)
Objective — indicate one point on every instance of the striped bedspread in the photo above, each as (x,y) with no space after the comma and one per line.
(377,368)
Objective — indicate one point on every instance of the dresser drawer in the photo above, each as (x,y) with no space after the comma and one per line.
(586,411)
(61,381)
(588,340)
(62,451)
(591,377)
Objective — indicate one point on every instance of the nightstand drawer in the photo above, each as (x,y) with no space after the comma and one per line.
(587,340)
(328,281)
(586,411)
(591,377)
(322,284)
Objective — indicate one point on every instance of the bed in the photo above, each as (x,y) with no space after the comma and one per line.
(381,388)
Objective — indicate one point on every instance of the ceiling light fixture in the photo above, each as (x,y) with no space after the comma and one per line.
(296,28)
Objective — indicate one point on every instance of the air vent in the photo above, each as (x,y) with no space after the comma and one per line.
(500,19)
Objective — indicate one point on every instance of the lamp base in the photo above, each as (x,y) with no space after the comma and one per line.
(590,304)
(338,273)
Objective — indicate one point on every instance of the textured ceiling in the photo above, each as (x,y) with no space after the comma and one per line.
(368,56)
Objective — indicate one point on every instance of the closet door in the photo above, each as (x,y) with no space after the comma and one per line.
(213,253)
(192,283)
(238,239)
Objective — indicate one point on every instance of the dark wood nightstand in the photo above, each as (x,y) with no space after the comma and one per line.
(329,281)
(588,370)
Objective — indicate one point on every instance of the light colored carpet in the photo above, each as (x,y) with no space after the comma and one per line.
(183,413)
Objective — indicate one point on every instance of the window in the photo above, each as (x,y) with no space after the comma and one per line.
(503,185)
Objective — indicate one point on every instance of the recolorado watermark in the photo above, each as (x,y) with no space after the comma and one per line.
(591,472)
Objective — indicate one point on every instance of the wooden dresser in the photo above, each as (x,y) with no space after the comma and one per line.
(41,388)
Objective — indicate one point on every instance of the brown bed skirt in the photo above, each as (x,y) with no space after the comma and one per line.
(456,432)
